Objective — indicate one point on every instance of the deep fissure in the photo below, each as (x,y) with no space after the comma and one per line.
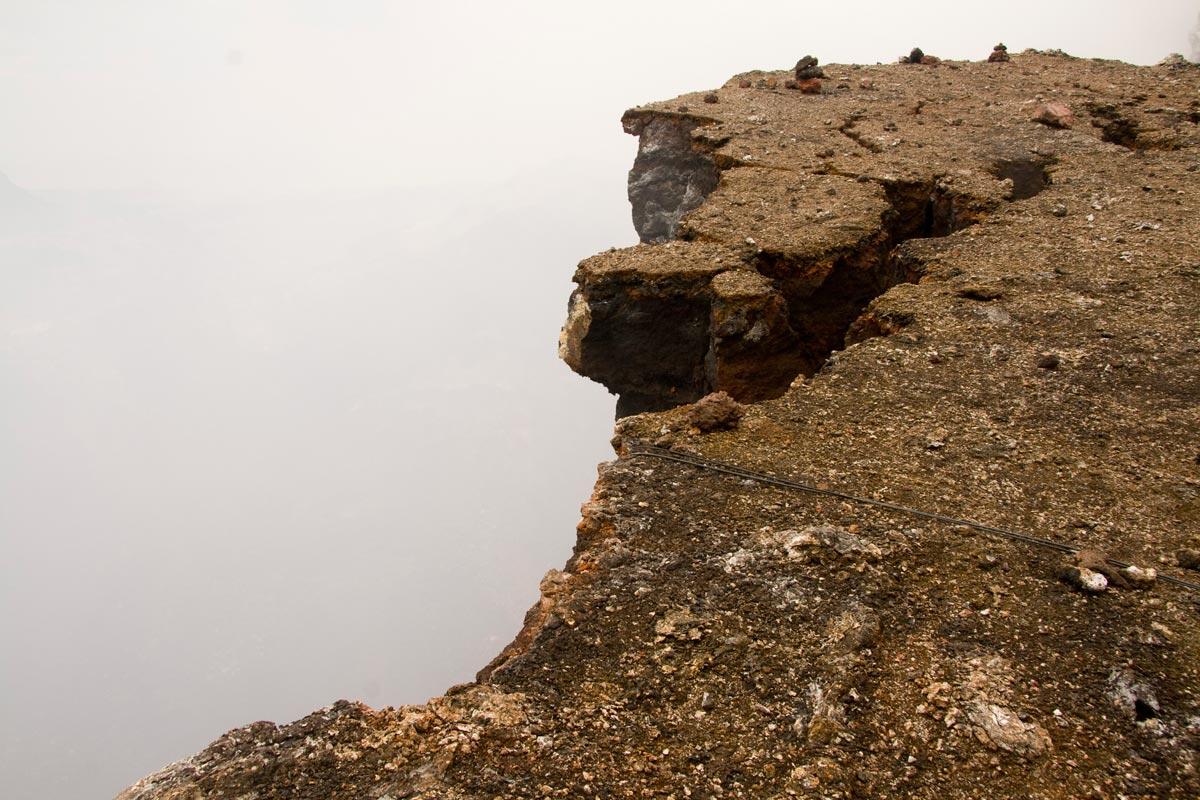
(822,317)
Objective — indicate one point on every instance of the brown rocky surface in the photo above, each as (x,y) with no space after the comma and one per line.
(882,272)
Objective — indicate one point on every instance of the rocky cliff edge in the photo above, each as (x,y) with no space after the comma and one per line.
(970,289)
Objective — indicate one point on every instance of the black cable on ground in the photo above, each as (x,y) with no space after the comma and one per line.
(649,451)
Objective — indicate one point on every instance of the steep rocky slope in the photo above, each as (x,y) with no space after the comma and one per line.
(928,299)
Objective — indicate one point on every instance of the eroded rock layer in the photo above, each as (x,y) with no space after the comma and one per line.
(952,307)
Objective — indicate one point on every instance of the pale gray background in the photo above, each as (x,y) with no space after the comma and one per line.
(280,283)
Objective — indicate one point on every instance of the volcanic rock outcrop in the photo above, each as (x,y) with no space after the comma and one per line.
(799,229)
(927,300)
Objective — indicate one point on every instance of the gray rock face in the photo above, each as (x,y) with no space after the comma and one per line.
(671,175)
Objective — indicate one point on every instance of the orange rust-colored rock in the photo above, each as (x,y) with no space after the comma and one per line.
(1056,115)
(809,86)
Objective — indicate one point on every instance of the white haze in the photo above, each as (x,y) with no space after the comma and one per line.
(280,282)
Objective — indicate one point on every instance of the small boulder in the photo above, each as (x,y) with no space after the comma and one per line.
(809,86)
(1097,561)
(999,727)
(1048,361)
(1054,115)
(1092,559)
(1085,580)
(914,56)
(806,86)
(714,412)
(999,54)
(1133,696)
(1188,558)
(712,97)
(807,68)
(1139,577)
(823,719)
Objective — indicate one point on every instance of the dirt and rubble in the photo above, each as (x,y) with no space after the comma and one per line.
(909,289)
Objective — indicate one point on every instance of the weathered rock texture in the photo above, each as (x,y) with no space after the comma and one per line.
(671,175)
(955,308)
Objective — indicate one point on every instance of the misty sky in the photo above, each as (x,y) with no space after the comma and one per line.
(280,284)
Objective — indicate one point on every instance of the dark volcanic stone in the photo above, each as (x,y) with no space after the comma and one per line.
(807,68)
(1048,361)
(652,351)
(670,176)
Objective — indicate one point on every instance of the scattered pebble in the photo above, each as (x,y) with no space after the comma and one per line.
(1055,115)
(989,562)
(1048,361)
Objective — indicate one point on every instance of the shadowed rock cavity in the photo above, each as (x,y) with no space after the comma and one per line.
(654,348)
(1114,126)
(821,315)
(1029,174)
(671,175)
